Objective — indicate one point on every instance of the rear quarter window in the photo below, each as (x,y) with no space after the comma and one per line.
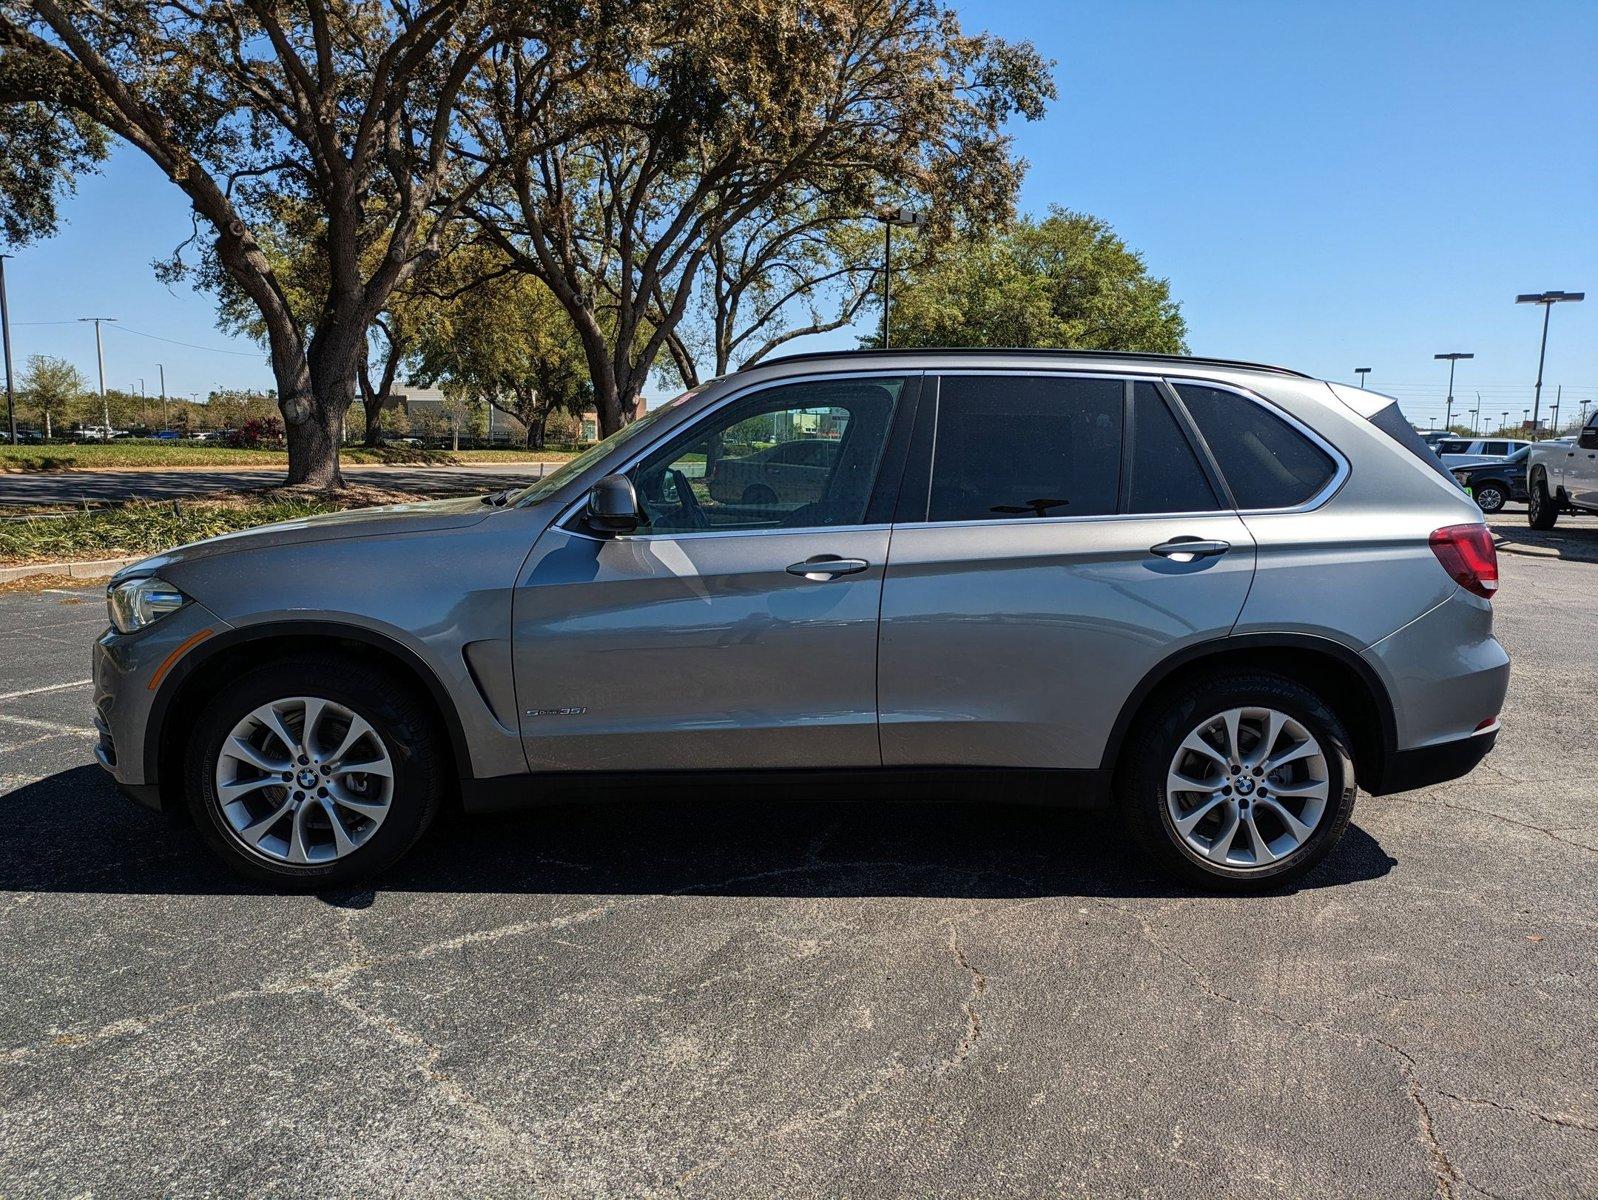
(1266,462)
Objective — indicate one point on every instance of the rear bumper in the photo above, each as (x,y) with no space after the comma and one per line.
(1406,770)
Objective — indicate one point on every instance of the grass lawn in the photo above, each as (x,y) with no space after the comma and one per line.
(148,527)
(184,454)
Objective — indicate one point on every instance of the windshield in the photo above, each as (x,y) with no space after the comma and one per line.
(551,484)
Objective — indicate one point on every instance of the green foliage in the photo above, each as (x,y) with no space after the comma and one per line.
(1063,282)
(503,340)
(51,391)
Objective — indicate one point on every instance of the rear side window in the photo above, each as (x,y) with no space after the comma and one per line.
(1453,447)
(1166,476)
(1012,446)
(1496,449)
(1267,463)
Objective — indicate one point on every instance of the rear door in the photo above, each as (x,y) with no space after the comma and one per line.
(1057,537)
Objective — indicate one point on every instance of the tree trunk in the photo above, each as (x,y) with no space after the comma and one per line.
(314,393)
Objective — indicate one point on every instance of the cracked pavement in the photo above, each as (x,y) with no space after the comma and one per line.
(743,997)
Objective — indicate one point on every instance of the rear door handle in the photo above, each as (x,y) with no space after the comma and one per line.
(1189,549)
(827,566)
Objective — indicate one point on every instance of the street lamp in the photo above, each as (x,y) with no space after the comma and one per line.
(909,218)
(1473,430)
(1452,359)
(1362,372)
(1547,300)
(1503,424)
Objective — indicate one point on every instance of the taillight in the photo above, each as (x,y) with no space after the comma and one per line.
(1469,556)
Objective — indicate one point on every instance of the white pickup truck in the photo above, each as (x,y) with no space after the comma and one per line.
(1562,476)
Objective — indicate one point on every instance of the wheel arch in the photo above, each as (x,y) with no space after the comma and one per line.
(1348,684)
(198,674)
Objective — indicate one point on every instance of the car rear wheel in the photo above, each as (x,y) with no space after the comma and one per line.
(1489,497)
(1541,512)
(1240,782)
(308,773)
(758,495)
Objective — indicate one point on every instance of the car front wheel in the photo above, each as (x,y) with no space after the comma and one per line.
(308,773)
(1239,783)
(1541,512)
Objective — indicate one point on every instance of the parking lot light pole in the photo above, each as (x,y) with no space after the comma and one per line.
(1452,359)
(99,350)
(165,423)
(910,218)
(1362,372)
(5,333)
(1547,300)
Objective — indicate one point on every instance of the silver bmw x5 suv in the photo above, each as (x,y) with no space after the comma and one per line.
(1208,597)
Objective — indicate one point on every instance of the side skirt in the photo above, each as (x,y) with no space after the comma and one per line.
(1080,789)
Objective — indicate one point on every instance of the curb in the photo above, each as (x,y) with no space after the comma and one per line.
(97,568)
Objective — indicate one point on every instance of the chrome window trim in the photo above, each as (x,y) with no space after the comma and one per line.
(566,515)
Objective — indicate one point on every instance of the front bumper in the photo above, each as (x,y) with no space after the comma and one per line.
(128,669)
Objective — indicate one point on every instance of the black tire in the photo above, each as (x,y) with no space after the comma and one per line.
(401,719)
(758,495)
(1153,746)
(1541,511)
(1490,497)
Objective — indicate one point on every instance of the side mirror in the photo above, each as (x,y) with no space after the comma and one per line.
(613,505)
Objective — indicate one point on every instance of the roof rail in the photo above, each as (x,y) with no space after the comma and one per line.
(1005,352)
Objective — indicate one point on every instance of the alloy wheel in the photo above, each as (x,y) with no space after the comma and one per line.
(303,780)
(1247,788)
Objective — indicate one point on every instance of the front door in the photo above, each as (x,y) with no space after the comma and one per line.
(738,627)
(1068,539)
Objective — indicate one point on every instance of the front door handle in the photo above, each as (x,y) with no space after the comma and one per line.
(827,566)
(1189,549)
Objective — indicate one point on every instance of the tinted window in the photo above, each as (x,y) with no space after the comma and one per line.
(1166,476)
(1496,449)
(1267,463)
(1012,446)
(747,466)
(1454,447)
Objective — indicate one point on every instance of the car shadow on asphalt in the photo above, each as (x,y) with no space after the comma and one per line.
(1568,540)
(74,832)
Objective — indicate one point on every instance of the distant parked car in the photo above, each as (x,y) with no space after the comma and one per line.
(168,435)
(1492,485)
(789,473)
(1465,452)
(100,433)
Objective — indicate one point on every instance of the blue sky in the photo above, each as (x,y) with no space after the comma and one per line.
(1326,185)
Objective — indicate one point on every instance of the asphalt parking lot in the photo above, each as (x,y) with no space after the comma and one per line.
(748,998)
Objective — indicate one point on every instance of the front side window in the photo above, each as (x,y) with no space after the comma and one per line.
(1496,449)
(1267,463)
(1018,446)
(1453,447)
(796,456)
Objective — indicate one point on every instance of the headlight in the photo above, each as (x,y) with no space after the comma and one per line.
(141,602)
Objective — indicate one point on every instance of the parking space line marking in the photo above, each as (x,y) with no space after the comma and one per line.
(53,726)
(54,687)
